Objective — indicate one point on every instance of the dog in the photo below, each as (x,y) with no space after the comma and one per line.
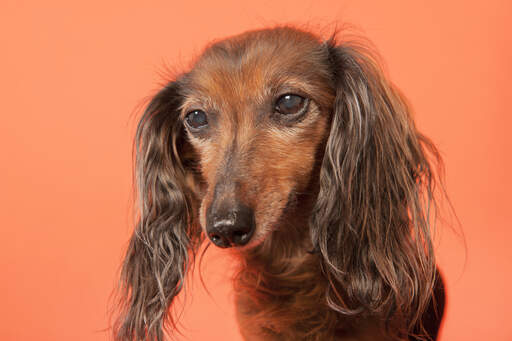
(298,156)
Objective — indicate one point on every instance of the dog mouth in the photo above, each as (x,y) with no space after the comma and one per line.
(264,229)
(234,225)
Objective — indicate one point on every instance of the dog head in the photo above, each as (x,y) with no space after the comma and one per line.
(226,149)
(255,109)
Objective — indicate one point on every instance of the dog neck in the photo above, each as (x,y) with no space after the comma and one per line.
(280,292)
(280,289)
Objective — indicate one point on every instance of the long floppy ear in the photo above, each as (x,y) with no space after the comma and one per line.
(373,215)
(166,234)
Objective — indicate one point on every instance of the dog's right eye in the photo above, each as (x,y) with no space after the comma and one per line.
(196,119)
(291,105)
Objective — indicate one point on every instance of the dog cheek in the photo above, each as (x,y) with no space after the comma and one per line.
(202,214)
(270,206)
(206,202)
(207,167)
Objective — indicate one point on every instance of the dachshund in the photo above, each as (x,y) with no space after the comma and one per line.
(298,156)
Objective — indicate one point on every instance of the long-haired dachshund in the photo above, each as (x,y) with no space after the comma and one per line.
(298,156)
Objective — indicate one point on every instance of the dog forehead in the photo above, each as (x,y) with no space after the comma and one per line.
(249,65)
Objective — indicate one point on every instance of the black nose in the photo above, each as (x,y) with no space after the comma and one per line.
(230,226)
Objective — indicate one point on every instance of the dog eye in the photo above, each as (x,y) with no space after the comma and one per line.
(196,119)
(291,104)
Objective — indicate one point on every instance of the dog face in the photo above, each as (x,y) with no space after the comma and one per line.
(255,110)
(275,125)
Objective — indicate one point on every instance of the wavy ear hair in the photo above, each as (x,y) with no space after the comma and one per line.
(372,219)
(166,234)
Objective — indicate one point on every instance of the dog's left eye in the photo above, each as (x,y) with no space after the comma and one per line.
(196,119)
(291,104)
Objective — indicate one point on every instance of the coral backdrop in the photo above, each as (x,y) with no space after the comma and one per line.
(72,73)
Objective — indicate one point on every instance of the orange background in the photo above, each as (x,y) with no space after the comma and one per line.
(72,73)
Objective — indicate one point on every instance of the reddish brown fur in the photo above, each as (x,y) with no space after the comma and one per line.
(298,280)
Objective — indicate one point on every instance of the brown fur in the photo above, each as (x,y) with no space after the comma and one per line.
(342,198)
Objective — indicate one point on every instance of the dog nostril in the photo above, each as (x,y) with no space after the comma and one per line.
(219,240)
(240,237)
(238,234)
